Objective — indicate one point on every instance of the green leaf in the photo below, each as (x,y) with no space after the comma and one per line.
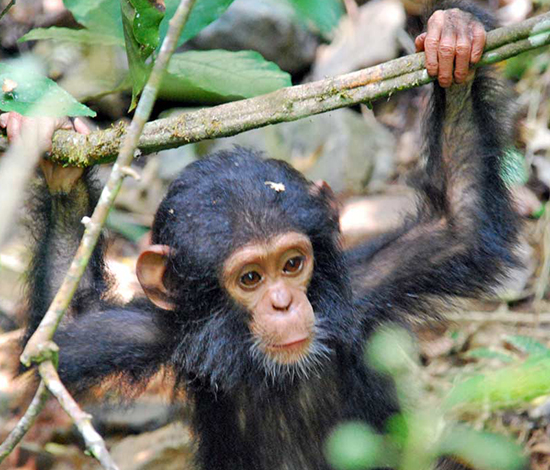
(104,16)
(482,450)
(137,55)
(118,222)
(353,446)
(204,12)
(216,76)
(527,345)
(507,387)
(36,95)
(72,35)
(486,353)
(99,16)
(324,13)
(147,20)
(540,212)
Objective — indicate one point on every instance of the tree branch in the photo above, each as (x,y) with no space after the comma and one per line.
(288,104)
(82,420)
(26,422)
(5,10)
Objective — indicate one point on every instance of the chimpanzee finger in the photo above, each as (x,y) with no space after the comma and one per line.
(462,59)
(446,54)
(479,37)
(81,127)
(14,122)
(419,42)
(431,42)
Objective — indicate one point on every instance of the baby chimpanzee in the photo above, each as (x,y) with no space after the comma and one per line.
(252,303)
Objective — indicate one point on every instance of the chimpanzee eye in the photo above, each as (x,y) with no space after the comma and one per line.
(294,265)
(250,279)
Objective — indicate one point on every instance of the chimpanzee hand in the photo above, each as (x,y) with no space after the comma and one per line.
(58,178)
(455,39)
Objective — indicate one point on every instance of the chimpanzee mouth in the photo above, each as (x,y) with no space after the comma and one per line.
(298,359)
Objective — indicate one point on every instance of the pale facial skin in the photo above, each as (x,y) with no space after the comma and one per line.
(269,278)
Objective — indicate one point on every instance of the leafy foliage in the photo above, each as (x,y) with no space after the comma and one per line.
(221,76)
(140,25)
(141,38)
(203,13)
(99,16)
(325,14)
(424,431)
(31,94)
(83,36)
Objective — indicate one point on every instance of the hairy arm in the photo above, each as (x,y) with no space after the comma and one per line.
(460,241)
(128,345)
(61,197)
(97,341)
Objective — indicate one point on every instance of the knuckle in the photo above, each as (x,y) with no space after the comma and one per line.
(431,42)
(463,48)
(460,75)
(446,50)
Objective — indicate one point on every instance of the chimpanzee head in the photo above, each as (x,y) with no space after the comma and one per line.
(246,257)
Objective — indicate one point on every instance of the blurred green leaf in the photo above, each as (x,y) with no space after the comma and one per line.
(391,350)
(526,344)
(36,95)
(218,76)
(104,16)
(136,53)
(536,62)
(540,212)
(481,450)
(72,35)
(324,13)
(99,16)
(510,386)
(353,446)
(118,222)
(204,12)
(486,353)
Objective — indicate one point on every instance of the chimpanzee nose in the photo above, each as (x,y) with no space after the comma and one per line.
(281,297)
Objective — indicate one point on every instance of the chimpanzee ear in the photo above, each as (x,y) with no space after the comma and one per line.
(151,266)
(321,189)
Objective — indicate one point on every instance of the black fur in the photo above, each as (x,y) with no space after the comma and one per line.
(250,413)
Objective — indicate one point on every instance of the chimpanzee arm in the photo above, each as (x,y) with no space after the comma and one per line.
(460,242)
(56,228)
(127,344)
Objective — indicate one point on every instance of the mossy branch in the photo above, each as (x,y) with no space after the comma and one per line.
(288,104)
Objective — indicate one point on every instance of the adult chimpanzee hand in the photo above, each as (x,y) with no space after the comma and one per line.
(58,178)
(454,40)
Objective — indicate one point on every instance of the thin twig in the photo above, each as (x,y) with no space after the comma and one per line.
(5,10)
(82,420)
(26,422)
(288,104)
